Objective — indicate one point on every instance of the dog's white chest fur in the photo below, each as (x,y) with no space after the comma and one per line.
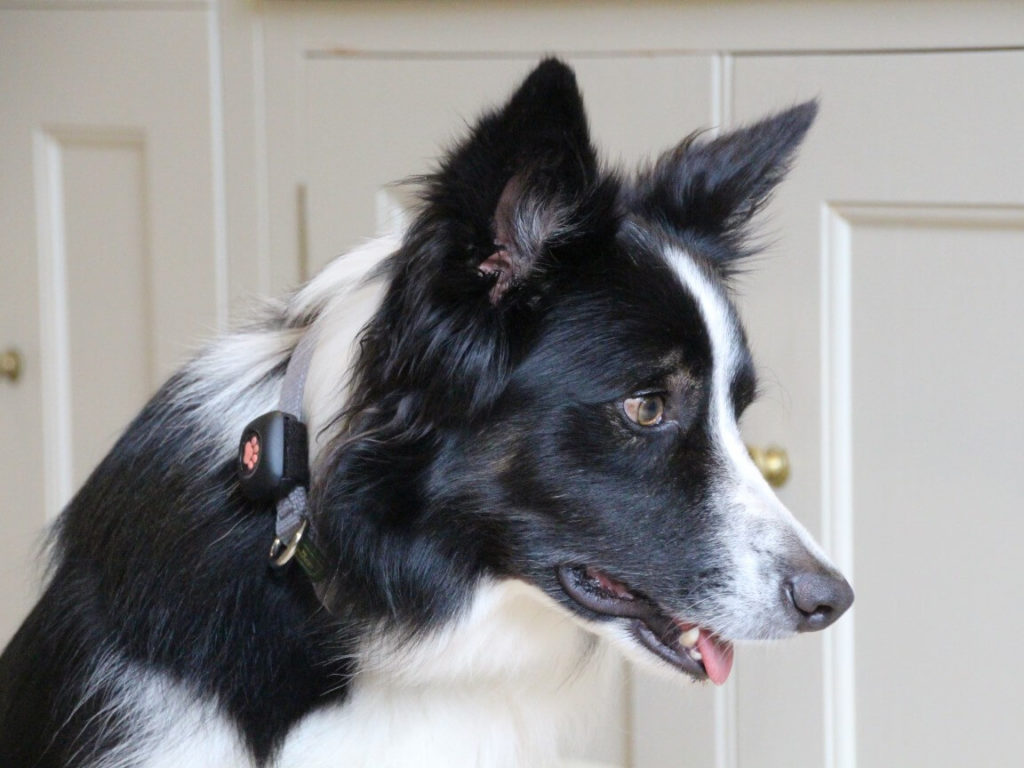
(508,685)
(499,688)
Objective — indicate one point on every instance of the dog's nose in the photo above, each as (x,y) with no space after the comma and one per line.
(819,598)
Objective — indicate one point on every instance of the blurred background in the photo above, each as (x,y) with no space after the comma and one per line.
(162,160)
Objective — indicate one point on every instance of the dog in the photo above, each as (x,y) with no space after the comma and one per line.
(512,445)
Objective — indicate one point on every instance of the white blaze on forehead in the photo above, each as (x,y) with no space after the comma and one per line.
(750,488)
(724,335)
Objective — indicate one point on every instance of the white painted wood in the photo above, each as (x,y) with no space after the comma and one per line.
(238,27)
(112,263)
(615,26)
(95,191)
(935,375)
(887,317)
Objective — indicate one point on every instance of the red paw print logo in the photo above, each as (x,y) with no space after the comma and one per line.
(251,453)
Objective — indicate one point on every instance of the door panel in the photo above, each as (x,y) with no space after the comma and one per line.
(100,196)
(937,520)
(887,317)
(110,272)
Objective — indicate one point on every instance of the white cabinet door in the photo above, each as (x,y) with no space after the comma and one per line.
(890,321)
(108,261)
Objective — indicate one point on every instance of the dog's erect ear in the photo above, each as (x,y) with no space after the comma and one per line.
(715,187)
(516,186)
(522,187)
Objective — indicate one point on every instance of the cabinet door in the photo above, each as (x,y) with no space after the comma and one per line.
(889,318)
(109,265)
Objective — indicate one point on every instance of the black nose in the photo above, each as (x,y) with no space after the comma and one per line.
(819,599)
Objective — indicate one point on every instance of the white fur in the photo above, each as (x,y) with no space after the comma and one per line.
(347,294)
(231,382)
(758,527)
(169,727)
(501,687)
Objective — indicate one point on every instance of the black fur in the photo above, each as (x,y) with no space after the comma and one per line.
(485,437)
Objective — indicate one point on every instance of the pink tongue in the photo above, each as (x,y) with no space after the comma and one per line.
(716,655)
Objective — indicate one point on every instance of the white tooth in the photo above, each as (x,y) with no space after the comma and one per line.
(695,655)
(689,638)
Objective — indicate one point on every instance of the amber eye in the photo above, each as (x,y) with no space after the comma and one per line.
(645,410)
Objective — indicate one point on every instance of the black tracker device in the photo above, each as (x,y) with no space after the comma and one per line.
(273,466)
(273,456)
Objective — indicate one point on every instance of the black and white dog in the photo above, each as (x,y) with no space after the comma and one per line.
(522,425)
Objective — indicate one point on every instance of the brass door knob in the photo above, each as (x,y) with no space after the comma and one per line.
(10,364)
(772,462)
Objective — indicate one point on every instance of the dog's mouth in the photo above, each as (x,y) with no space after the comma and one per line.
(686,646)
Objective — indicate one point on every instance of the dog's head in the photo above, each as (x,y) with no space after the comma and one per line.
(550,391)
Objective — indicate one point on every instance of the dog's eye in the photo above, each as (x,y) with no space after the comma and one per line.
(645,410)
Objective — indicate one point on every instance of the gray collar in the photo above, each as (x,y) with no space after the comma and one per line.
(273,464)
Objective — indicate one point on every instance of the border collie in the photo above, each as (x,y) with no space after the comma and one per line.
(521,446)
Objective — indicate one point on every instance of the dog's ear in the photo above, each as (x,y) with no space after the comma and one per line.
(518,184)
(715,187)
(515,197)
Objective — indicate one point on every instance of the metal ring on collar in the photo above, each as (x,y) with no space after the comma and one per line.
(280,558)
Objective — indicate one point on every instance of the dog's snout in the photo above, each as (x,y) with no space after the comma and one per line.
(819,598)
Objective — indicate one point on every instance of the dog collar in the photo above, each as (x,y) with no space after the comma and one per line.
(273,465)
